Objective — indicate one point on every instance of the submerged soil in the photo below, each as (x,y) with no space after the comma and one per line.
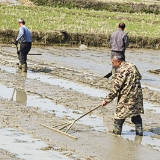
(64,83)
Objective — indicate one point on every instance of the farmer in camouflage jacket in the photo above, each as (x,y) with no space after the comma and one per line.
(127,87)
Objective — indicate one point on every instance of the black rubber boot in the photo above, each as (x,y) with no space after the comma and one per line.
(139,129)
(117,129)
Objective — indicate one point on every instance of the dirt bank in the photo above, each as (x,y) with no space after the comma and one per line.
(63,38)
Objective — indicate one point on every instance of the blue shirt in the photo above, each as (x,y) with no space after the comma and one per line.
(24,34)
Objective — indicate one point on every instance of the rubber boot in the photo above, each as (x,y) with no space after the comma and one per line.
(117,129)
(19,65)
(24,68)
(139,129)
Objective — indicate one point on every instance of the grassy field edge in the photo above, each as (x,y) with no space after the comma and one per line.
(129,7)
(63,38)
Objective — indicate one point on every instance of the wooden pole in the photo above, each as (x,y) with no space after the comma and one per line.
(82,116)
(58,131)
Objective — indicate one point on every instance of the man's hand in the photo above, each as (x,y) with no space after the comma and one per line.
(104,103)
(16,43)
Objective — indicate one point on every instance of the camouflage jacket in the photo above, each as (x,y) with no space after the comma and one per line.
(127,87)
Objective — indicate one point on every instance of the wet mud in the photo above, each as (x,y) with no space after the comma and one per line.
(61,85)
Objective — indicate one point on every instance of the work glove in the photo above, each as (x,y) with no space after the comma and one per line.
(108,75)
(16,43)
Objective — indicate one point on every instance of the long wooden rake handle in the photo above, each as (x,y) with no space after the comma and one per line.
(82,116)
(29,53)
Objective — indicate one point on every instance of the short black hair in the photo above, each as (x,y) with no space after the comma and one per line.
(122,25)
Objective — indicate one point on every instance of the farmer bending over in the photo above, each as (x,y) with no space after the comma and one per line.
(127,87)
(25,38)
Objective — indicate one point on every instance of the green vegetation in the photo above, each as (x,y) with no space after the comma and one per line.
(88,26)
(113,6)
(82,21)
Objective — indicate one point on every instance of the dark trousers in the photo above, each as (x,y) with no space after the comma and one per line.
(25,47)
(135,120)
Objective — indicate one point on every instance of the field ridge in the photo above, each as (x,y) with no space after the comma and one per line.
(130,7)
(64,38)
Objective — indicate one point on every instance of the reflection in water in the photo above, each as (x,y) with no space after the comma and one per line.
(138,139)
(122,150)
(20,94)
(147,139)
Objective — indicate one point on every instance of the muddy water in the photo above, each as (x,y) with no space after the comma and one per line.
(61,111)
(60,82)
(64,62)
(151,107)
(146,140)
(47,105)
(26,147)
(98,62)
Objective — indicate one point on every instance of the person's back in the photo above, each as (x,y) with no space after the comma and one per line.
(25,34)
(119,41)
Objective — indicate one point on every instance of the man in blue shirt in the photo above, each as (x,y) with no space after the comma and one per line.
(25,39)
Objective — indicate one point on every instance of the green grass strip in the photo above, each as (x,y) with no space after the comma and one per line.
(79,20)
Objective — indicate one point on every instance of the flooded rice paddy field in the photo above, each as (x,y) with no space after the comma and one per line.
(61,85)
